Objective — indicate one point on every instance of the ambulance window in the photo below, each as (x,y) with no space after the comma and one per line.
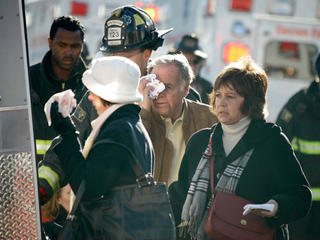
(292,60)
(282,7)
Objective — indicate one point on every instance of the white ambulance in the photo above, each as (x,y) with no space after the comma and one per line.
(283,36)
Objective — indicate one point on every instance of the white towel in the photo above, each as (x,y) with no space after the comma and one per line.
(66,102)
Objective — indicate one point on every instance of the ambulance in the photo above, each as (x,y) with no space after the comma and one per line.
(282,36)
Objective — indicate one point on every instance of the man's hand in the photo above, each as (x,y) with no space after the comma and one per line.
(62,125)
(144,90)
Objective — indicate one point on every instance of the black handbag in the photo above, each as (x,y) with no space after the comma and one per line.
(139,211)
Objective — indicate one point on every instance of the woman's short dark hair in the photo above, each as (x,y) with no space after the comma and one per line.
(249,81)
(69,23)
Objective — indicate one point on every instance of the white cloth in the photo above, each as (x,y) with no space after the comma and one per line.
(249,207)
(66,102)
(158,86)
(96,125)
(233,133)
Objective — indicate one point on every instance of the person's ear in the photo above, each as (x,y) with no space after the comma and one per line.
(186,90)
(50,43)
(147,54)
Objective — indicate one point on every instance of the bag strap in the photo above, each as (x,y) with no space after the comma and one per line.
(71,216)
(142,178)
(211,154)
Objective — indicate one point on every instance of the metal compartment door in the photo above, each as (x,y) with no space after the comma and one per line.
(19,208)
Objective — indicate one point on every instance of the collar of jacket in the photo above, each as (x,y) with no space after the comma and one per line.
(256,134)
(186,117)
(125,111)
(79,68)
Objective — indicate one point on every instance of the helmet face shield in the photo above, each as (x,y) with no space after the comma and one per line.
(129,28)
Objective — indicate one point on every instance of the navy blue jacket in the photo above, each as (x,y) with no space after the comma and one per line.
(107,164)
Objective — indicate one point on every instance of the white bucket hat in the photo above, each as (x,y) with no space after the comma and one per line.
(114,79)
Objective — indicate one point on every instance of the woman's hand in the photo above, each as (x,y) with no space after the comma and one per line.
(63,125)
(265,213)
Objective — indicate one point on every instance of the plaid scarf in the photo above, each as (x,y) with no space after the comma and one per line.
(195,209)
(194,206)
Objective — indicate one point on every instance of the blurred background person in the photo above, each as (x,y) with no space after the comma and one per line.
(299,120)
(252,158)
(189,46)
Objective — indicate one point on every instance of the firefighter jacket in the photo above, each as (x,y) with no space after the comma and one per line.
(43,85)
(299,120)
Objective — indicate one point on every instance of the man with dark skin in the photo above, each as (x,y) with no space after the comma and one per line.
(66,47)
(60,69)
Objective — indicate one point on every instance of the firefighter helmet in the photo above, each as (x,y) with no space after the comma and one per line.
(129,28)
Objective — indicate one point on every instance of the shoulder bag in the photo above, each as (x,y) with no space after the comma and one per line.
(139,211)
(225,220)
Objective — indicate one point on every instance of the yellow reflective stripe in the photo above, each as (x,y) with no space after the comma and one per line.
(42,146)
(51,176)
(305,146)
(315,194)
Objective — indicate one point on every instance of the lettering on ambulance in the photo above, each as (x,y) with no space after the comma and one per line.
(315,33)
(280,29)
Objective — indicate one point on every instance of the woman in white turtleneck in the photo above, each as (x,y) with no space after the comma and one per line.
(252,160)
(233,133)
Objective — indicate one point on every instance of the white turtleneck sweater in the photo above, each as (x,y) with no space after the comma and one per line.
(233,133)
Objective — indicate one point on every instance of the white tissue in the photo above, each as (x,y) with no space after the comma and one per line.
(156,84)
(66,103)
(249,207)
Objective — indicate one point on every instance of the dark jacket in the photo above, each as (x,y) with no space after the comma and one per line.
(194,95)
(43,85)
(108,159)
(52,229)
(272,172)
(203,87)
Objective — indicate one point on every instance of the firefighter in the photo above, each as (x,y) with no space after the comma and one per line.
(189,46)
(61,69)
(129,32)
(299,120)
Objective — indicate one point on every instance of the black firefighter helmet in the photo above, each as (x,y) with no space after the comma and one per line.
(128,28)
